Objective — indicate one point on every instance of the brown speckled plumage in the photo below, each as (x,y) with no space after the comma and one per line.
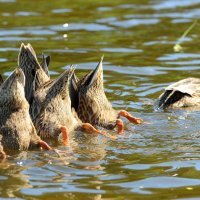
(16,128)
(28,63)
(93,105)
(51,107)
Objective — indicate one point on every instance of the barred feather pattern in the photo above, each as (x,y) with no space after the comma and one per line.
(28,62)
(16,128)
(94,106)
(51,107)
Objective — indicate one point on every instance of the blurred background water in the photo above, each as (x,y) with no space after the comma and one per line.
(136,37)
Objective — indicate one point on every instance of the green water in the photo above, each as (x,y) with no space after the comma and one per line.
(159,160)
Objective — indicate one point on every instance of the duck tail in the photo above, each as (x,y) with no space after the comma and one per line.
(169,97)
(45,63)
(74,89)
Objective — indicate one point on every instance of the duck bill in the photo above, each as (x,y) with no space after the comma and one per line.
(97,74)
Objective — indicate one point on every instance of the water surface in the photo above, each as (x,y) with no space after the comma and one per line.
(159,160)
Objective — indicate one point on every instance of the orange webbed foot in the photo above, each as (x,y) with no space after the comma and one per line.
(91,129)
(44,145)
(132,119)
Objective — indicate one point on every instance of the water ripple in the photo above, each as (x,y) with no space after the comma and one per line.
(79,26)
(142,186)
(134,22)
(172,4)
(159,159)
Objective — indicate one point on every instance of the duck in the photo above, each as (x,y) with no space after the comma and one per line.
(50,109)
(17,131)
(181,94)
(93,106)
(29,67)
(37,74)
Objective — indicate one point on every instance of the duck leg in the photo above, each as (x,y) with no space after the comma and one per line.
(65,134)
(132,119)
(91,129)
(120,126)
(44,145)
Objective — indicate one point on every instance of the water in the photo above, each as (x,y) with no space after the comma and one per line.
(159,160)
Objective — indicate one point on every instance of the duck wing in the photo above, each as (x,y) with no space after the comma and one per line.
(187,88)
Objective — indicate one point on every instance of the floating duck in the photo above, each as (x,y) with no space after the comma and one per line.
(92,104)
(184,93)
(37,76)
(51,109)
(29,66)
(51,105)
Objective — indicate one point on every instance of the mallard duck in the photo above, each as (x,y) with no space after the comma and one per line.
(17,131)
(38,76)
(29,66)
(93,105)
(51,105)
(51,109)
(184,93)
